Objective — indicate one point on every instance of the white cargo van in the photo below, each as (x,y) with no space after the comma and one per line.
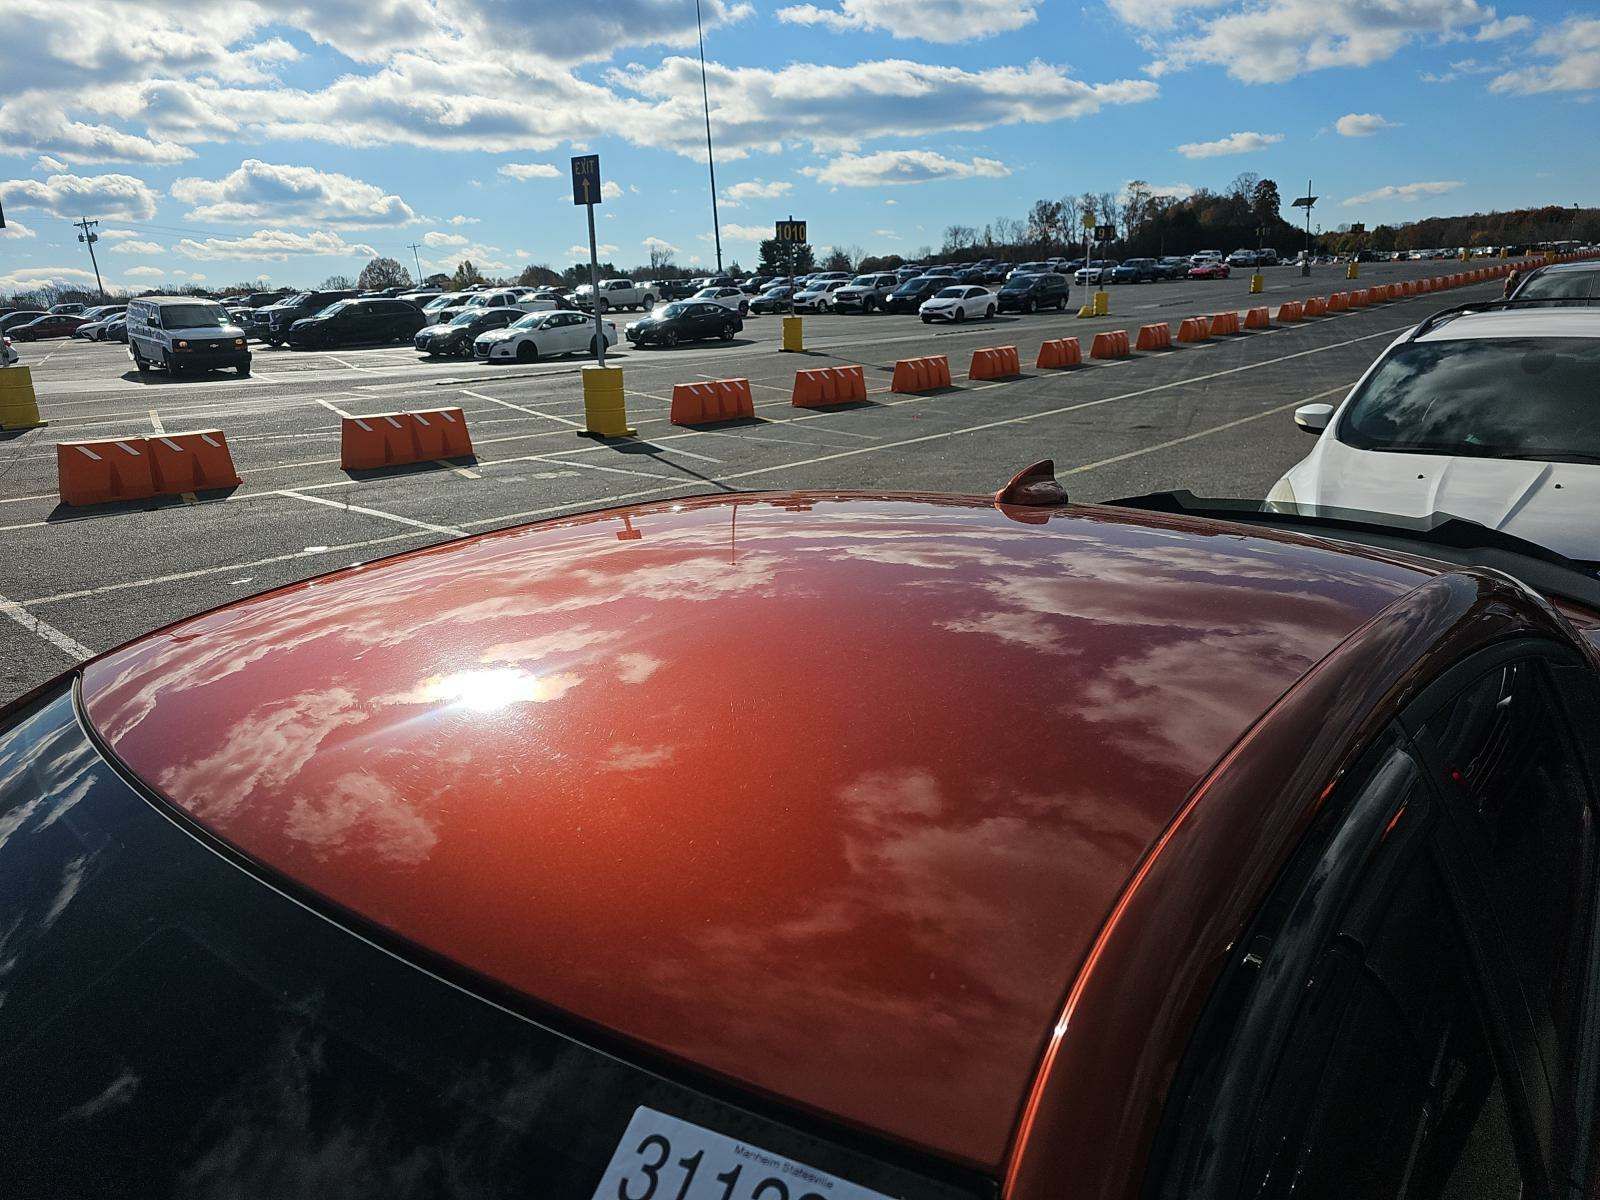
(181,333)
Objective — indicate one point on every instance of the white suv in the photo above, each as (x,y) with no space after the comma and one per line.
(866,292)
(1485,412)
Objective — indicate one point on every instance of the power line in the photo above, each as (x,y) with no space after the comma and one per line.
(711,163)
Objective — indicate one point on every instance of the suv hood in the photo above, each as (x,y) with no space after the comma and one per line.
(828,795)
(1552,504)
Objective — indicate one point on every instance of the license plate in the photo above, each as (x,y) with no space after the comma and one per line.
(663,1158)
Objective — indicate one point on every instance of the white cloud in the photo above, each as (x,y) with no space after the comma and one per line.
(1246,142)
(525,171)
(1166,191)
(610,190)
(16,229)
(928,20)
(581,253)
(1575,48)
(114,235)
(1358,125)
(436,239)
(887,234)
(1503,28)
(458,220)
(283,194)
(113,196)
(655,243)
(734,232)
(272,245)
(1405,192)
(1270,41)
(137,247)
(34,122)
(53,165)
(163,273)
(837,108)
(901,167)
(754,189)
(27,278)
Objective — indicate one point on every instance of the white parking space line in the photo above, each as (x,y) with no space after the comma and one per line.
(1190,437)
(330,406)
(532,412)
(155,422)
(1053,412)
(69,646)
(373,512)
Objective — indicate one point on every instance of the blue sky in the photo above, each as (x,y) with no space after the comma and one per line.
(292,140)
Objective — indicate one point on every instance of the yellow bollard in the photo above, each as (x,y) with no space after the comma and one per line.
(605,412)
(1087,310)
(1257,282)
(1102,304)
(19,407)
(1353,271)
(793,336)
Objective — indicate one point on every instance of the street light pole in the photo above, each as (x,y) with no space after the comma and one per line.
(711,163)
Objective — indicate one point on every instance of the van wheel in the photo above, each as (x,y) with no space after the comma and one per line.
(244,370)
(141,362)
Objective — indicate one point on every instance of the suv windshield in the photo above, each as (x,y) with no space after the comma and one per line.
(193,316)
(1534,398)
(1561,285)
(1019,283)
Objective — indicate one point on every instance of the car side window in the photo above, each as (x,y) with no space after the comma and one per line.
(1513,776)
(1388,1085)
(1353,1050)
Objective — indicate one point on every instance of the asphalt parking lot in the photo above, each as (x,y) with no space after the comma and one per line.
(1213,418)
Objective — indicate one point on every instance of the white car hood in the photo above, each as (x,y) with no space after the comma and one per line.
(1552,504)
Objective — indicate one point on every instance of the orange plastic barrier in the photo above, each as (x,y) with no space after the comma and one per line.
(1112,344)
(713,400)
(1194,329)
(439,433)
(191,462)
(1224,323)
(1060,352)
(1290,310)
(380,440)
(1315,307)
(103,470)
(824,387)
(1154,337)
(1339,302)
(1258,318)
(1360,298)
(921,374)
(994,362)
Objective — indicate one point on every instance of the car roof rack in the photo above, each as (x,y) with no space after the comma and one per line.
(1432,322)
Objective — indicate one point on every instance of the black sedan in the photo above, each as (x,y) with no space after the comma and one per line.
(774,299)
(908,297)
(456,336)
(685,321)
(357,322)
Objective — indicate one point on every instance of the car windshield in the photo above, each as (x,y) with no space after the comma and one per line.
(1018,283)
(531,321)
(439,302)
(674,310)
(334,309)
(954,293)
(1526,398)
(865,281)
(1562,285)
(465,318)
(194,316)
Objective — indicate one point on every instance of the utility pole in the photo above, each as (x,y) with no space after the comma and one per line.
(705,95)
(418,260)
(84,225)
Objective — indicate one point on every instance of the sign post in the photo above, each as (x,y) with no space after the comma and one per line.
(605,412)
(1307,202)
(791,233)
(1102,298)
(586,191)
